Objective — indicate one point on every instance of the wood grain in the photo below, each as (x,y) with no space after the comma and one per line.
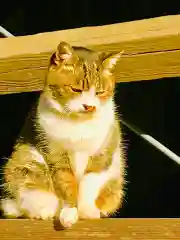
(125,229)
(152,51)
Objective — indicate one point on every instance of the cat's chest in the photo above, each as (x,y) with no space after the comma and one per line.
(85,136)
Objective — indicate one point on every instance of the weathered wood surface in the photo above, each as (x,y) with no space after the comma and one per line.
(152,51)
(125,229)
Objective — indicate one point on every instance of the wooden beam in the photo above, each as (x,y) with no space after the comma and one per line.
(152,51)
(130,229)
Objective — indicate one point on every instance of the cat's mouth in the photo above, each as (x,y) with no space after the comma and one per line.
(82,114)
(89,109)
(86,109)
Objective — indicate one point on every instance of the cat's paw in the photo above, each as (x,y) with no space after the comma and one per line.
(39,205)
(10,208)
(44,213)
(68,216)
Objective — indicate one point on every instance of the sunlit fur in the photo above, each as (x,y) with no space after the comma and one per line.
(68,161)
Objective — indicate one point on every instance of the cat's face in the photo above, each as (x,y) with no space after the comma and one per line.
(79,80)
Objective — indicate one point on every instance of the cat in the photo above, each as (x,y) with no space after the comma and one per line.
(69,162)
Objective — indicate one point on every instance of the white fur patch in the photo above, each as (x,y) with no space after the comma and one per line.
(79,163)
(54,104)
(38,204)
(10,208)
(84,136)
(37,156)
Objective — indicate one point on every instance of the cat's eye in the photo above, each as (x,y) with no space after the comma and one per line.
(76,90)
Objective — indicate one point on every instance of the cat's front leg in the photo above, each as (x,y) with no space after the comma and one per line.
(111,194)
(102,192)
(89,189)
(66,188)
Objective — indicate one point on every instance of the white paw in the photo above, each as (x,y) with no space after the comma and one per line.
(68,216)
(45,212)
(10,208)
(39,205)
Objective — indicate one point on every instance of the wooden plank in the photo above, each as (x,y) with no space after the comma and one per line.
(152,51)
(95,229)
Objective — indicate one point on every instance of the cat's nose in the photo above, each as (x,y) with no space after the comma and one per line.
(89,108)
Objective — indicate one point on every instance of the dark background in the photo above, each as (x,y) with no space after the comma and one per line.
(154,179)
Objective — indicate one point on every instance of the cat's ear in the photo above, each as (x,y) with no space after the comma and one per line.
(64,53)
(110,60)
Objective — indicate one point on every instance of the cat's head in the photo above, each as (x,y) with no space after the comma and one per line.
(79,80)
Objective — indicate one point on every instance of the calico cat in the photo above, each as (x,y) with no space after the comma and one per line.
(68,161)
